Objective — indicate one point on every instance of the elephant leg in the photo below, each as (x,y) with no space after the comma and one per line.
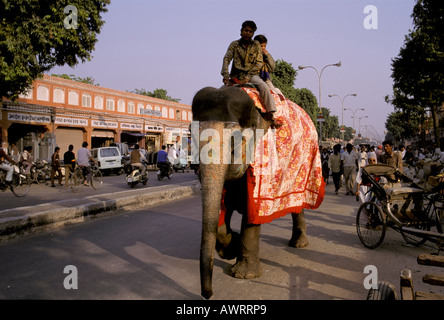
(227,241)
(248,265)
(299,235)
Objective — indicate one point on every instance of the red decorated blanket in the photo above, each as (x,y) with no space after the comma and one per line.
(286,175)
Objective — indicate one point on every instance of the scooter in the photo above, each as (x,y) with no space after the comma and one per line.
(181,164)
(165,170)
(134,175)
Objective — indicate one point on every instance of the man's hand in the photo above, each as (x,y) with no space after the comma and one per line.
(226,81)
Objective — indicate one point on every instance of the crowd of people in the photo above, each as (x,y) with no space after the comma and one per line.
(343,164)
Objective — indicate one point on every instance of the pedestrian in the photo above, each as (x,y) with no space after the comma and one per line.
(83,158)
(324,160)
(69,160)
(26,159)
(334,163)
(362,191)
(15,153)
(56,166)
(350,163)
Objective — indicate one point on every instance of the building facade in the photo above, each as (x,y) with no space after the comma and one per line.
(60,112)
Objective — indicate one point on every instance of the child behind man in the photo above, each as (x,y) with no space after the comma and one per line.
(269,64)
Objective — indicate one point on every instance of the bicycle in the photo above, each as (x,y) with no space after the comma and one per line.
(21,183)
(78,179)
(405,207)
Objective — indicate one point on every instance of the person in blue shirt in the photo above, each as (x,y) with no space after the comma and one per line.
(162,157)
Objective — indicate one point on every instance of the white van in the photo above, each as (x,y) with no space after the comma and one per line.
(108,159)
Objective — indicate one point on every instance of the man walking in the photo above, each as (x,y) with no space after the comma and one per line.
(350,163)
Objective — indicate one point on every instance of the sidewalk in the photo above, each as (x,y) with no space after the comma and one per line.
(23,220)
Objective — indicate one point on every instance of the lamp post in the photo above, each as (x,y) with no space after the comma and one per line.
(354,112)
(319,78)
(360,123)
(342,109)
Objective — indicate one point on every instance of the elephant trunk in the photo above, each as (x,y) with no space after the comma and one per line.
(212,177)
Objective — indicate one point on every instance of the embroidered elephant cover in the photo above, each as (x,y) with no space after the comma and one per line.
(286,175)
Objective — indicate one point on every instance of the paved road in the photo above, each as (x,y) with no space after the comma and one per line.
(153,254)
(43,193)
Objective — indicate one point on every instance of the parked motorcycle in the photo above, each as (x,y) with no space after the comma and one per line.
(165,170)
(40,171)
(134,175)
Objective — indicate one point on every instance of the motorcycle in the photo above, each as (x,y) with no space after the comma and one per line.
(134,175)
(40,171)
(165,170)
(181,164)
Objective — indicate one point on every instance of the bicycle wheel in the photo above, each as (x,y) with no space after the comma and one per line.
(385,291)
(21,184)
(76,181)
(370,224)
(96,179)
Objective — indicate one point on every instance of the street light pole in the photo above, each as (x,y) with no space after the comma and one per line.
(319,74)
(342,108)
(354,112)
(359,129)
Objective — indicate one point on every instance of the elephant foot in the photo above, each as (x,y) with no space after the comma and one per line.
(299,235)
(299,242)
(245,269)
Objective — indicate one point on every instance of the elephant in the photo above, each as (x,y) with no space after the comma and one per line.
(219,108)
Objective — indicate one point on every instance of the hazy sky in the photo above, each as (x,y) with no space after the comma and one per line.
(178,45)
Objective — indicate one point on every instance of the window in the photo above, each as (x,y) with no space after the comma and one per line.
(184,115)
(26,94)
(164,112)
(86,100)
(131,108)
(98,102)
(171,114)
(43,93)
(59,95)
(139,107)
(149,107)
(121,106)
(73,98)
(110,104)
(190,116)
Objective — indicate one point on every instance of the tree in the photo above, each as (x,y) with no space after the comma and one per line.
(283,78)
(158,93)
(35,36)
(417,72)
(87,80)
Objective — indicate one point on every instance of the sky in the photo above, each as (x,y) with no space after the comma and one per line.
(178,45)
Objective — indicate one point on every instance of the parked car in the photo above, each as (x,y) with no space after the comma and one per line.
(108,159)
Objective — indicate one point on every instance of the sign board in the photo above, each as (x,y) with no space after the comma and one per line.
(154,113)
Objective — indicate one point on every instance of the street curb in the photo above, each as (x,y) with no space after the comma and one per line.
(91,208)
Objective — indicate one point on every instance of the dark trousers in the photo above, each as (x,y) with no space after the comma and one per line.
(337,180)
(53,171)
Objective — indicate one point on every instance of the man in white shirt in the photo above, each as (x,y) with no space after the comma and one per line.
(83,158)
(350,163)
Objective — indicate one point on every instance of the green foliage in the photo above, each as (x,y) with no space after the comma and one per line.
(158,93)
(417,72)
(284,78)
(87,80)
(34,39)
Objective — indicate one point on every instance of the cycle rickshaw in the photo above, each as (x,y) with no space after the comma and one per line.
(398,203)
